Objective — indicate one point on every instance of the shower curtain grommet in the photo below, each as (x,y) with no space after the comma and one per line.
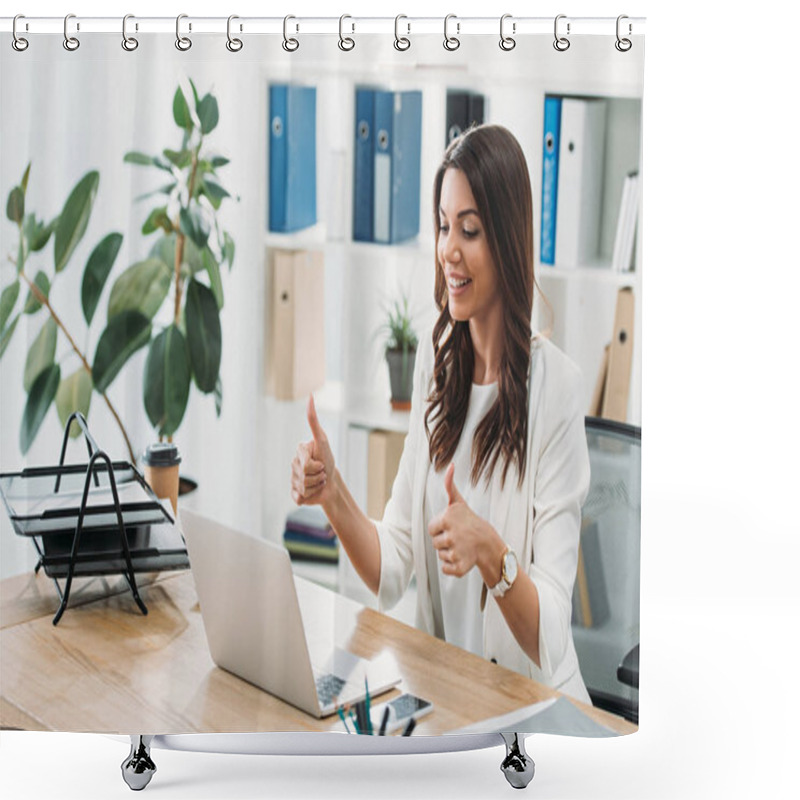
(289,44)
(19,43)
(401,43)
(451,43)
(507,43)
(183,43)
(233,44)
(71,43)
(129,43)
(561,43)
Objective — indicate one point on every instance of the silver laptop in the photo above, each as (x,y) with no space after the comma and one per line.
(254,625)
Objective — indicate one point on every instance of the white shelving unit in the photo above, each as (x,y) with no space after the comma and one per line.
(361,277)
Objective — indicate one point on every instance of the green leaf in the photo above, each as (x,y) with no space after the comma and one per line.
(36,232)
(42,283)
(195,226)
(142,159)
(142,287)
(204,335)
(166,189)
(208,111)
(218,396)
(96,273)
(214,277)
(214,192)
(180,111)
(167,380)
(158,219)
(25,176)
(7,302)
(194,92)
(5,337)
(74,218)
(74,394)
(228,250)
(180,158)
(15,208)
(126,333)
(39,399)
(219,161)
(42,353)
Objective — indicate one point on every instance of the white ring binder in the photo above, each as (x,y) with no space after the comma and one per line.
(19,43)
(451,43)
(507,42)
(233,44)
(183,43)
(129,43)
(289,44)
(401,43)
(70,42)
(346,43)
(561,43)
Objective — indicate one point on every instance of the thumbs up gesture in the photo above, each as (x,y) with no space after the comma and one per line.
(313,466)
(459,535)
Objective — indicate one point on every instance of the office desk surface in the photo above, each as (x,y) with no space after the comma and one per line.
(106,668)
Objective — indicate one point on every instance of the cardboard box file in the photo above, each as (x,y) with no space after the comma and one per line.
(383,460)
(296,323)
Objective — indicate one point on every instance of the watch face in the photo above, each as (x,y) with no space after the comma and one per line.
(510,567)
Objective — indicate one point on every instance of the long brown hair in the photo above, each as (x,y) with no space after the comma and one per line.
(494,164)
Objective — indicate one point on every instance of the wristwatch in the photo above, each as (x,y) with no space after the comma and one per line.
(508,575)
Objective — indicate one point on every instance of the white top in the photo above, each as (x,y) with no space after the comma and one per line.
(461,597)
(538,519)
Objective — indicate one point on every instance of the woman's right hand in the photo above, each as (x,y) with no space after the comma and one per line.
(313,466)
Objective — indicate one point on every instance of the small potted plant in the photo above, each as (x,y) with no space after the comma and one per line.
(401,350)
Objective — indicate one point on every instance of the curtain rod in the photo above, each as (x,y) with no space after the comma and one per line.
(350,25)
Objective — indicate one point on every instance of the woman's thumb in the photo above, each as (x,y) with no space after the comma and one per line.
(453,495)
(313,421)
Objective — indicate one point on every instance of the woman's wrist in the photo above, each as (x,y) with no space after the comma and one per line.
(490,557)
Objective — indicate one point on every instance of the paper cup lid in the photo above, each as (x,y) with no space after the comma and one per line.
(162,454)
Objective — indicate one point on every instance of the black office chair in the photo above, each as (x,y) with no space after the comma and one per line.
(605,602)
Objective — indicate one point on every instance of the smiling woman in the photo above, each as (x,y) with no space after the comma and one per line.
(490,398)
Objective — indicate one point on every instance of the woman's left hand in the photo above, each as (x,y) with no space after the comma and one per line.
(462,539)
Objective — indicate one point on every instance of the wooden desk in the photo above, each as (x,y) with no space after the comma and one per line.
(105,668)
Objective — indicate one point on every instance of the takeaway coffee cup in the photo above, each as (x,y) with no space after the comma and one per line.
(161,462)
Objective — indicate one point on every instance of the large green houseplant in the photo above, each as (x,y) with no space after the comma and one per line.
(188,252)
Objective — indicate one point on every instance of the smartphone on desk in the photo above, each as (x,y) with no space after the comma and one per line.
(401,710)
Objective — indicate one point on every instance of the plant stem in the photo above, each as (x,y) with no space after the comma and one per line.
(181,238)
(37,293)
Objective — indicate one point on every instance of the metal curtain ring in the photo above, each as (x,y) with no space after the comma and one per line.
(233,44)
(70,42)
(289,44)
(507,42)
(19,43)
(451,42)
(346,43)
(401,43)
(561,43)
(129,43)
(183,43)
(623,44)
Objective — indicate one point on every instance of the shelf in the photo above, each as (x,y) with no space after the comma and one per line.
(600,273)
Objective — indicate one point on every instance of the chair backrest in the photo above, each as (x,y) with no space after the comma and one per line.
(605,603)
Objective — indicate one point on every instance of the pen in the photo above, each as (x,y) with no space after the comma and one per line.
(344,719)
(367,708)
(384,722)
(412,723)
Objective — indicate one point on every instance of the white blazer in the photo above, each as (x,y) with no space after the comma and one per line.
(540,521)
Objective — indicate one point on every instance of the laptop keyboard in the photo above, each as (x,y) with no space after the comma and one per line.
(328,688)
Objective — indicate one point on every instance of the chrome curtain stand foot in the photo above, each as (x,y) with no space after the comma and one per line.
(138,768)
(517,766)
